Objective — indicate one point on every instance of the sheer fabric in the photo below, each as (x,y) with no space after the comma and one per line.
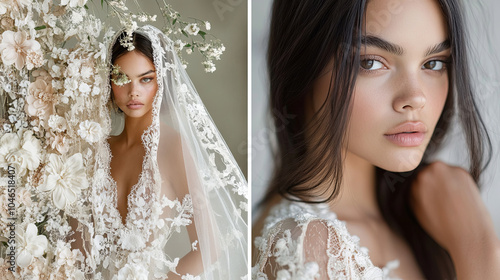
(190,199)
(304,241)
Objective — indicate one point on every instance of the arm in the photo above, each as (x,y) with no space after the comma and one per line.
(173,162)
(448,205)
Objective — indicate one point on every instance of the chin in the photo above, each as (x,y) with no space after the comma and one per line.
(402,161)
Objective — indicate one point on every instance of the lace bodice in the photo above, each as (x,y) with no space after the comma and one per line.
(152,220)
(304,241)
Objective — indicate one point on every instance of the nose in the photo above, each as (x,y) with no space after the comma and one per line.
(410,96)
(133,90)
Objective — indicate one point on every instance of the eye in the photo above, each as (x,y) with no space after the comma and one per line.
(435,65)
(371,64)
(146,80)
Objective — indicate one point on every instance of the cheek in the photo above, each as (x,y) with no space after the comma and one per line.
(370,105)
(151,91)
(117,91)
(437,93)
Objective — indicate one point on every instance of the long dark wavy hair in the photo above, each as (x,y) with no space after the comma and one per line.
(304,37)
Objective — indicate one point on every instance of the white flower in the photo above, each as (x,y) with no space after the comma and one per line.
(189,51)
(190,277)
(66,257)
(172,265)
(133,272)
(24,153)
(15,46)
(131,240)
(65,179)
(34,59)
(90,131)
(179,45)
(207,25)
(73,3)
(84,88)
(9,143)
(192,29)
(30,245)
(57,123)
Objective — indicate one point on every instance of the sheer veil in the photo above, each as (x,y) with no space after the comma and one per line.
(191,197)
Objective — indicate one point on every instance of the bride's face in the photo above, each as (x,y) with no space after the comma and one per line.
(402,84)
(135,98)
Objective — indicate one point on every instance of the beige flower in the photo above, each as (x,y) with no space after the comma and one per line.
(7,23)
(41,98)
(15,47)
(60,143)
(66,178)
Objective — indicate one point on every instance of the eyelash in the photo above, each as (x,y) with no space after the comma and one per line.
(146,78)
(380,60)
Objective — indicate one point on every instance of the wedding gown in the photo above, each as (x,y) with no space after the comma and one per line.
(307,241)
(188,179)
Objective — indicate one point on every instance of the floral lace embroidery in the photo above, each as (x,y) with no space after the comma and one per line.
(301,241)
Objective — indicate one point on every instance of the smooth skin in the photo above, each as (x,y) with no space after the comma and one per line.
(128,151)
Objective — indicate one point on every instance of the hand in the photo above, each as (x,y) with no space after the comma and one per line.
(448,205)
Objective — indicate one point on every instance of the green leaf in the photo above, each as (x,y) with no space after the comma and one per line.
(185,34)
(188,45)
(102,3)
(86,7)
(173,22)
(40,27)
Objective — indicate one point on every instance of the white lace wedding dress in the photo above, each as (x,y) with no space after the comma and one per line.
(307,241)
(190,197)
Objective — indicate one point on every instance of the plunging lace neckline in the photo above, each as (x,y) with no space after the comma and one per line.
(115,185)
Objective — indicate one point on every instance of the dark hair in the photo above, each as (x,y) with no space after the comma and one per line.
(304,37)
(139,41)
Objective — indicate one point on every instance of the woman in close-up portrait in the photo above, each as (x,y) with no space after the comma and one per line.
(363,94)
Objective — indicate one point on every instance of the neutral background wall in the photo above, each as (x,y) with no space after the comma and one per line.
(223,92)
(486,42)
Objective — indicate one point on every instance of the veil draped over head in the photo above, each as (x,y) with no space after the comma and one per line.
(187,212)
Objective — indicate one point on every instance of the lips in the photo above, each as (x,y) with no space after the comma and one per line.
(134,102)
(134,105)
(407,134)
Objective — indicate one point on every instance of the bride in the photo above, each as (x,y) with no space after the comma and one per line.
(168,198)
(372,87)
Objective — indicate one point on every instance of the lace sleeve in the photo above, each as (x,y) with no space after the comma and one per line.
(311,249)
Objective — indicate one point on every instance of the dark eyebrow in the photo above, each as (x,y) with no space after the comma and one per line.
(382,44)
(144,74)
(438,48)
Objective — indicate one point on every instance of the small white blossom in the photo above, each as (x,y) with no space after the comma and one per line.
(133,272)
(192,29)
(207,25)
(90,131)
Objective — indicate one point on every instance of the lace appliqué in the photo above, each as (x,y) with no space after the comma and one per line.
(308,242)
